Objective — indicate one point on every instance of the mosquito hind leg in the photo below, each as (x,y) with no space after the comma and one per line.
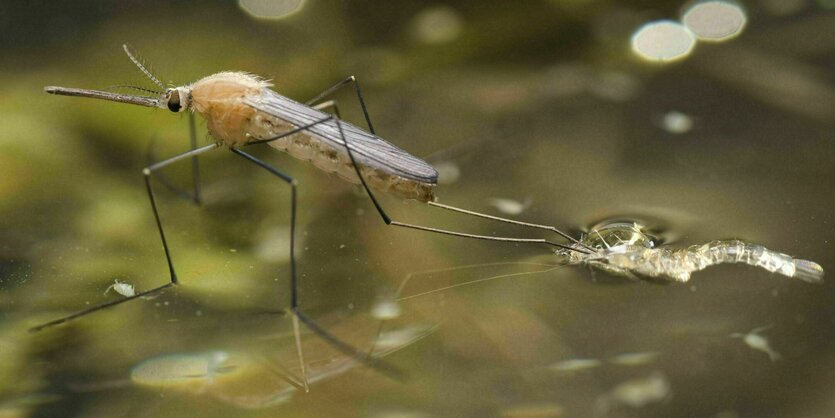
(388,221)
(195,162)
(195,195)
(358,91)
(298,314)
(146,172)
(333,103)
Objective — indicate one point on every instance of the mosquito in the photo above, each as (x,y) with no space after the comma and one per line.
(241,110)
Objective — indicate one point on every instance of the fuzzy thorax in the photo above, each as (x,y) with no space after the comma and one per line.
(219,99)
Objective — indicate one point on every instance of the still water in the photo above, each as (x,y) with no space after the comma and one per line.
(561,113)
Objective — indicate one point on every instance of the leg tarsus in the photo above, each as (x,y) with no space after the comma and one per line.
(146,172)
(100,307)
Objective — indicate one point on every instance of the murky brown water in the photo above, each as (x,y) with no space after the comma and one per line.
(541,103)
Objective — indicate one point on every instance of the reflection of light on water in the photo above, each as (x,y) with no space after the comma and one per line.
(386,309)
(663,41)
(270,9)
(566,80)
(247,379)
(676,122)
(715,21)
(712,21)
(448,172)
(623,359)
(636,393)
(533,410)
(575,365)
(640,392)
(634,359)
(189,372)
(395,339)
(437,25)
(613,86)
(273,245)
(783,7)
(510,206)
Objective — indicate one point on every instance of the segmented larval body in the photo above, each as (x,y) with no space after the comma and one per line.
(637,256)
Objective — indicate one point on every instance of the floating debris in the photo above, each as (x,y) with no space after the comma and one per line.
(676,122)
(124,289)
(510,206)
(637,393)
(624,249)
(625,359)
(575,365)
(634,359)
(386,309)
(188,372)
(757,342)
(437,25)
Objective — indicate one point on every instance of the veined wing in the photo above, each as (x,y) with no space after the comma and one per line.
(368,149)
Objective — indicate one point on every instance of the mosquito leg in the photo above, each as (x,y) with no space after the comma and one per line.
(195,162)
(333,104)
(298,314)
(195,194)
(513,222)
(173,275)
(387,219)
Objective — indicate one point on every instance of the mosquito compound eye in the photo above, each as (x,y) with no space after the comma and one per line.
(174,101)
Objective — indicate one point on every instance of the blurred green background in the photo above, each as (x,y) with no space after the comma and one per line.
(539,102)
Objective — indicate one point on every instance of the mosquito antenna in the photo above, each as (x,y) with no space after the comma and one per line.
(142,67)
(137,88)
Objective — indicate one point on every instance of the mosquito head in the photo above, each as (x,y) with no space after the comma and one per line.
(177,99)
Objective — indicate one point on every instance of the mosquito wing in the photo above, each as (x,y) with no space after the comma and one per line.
(368,149)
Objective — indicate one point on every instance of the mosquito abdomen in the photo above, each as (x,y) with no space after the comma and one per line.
(679,264)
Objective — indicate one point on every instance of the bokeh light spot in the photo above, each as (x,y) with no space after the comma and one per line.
(663,41)
(270,9)
(437,25)
(715,21)
(676,122)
